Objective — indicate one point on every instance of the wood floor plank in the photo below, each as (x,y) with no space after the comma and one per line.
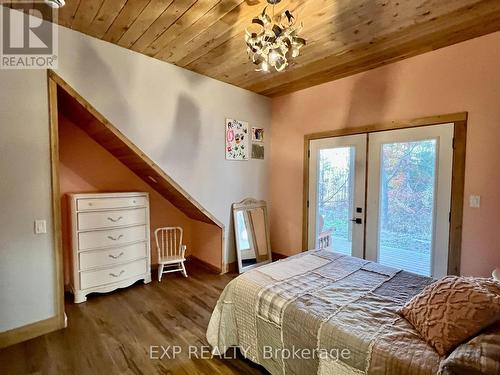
(112,333)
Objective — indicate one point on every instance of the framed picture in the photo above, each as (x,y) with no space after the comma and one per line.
(257,134)
(257,151)
(237,140)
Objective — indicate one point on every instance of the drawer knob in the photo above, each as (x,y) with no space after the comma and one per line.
(115,238)
(115,220)
(115,275)
(115,256)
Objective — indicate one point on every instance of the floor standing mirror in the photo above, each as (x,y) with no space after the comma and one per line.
(251,227)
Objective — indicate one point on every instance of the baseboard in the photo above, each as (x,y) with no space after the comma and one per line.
(232,267)
(30,331)
(204,264)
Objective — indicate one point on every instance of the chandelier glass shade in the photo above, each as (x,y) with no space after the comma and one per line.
(273,41)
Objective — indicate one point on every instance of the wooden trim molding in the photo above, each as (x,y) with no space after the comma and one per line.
(391,125)
(457,197)
(56,201)
(30,331)
(458,174)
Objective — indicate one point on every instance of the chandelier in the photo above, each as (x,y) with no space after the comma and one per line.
(273,41)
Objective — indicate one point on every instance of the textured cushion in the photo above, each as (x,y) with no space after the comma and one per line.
(481,355)
(453,309)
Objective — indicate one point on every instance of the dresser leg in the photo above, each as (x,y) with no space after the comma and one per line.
(80,297)
(147,279)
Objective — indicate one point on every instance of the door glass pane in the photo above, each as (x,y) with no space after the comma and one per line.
(406,213)
(335,199)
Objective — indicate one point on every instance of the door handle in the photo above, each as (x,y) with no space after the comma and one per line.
(357,220)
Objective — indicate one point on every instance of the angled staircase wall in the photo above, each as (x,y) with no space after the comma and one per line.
(74,110)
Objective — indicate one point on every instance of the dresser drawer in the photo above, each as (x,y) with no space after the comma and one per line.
(106,219)
(111,237)
(89,279)
(111,257)
(88,204)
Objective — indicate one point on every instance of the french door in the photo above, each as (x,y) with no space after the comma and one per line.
(337,175)
(384,196)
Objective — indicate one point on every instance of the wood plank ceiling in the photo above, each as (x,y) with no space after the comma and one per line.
(344,36)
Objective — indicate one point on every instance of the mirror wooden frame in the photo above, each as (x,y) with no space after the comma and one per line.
(245,205)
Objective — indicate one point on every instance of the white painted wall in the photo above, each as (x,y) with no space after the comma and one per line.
(27,283)
(175,116)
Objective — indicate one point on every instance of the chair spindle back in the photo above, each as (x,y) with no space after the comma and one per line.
(169,242)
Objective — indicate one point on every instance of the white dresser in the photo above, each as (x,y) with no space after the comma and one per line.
(110,242)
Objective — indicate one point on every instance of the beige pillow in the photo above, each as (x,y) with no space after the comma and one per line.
(453,309)
(479,356)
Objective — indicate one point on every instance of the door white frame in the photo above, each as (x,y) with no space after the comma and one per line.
(443,134)
(457,196)
(359,142)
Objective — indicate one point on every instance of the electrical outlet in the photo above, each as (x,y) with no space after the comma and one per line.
(475,201)
(40,226)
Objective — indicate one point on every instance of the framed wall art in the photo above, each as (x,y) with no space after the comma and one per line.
(257,134)
(237,140)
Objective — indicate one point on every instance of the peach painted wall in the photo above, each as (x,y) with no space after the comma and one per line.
(463,77)
(204,239)
(86,167)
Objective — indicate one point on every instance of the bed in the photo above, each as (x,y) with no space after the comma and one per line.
(320,312)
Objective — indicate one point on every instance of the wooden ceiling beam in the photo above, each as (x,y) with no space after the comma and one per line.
(124,20)
(480,19)
(178,46)
(348,46)
(146,33)
(85,14)
(66,14)
(222,60)
(344,37)
(104,17)
(190,17)
(214,40)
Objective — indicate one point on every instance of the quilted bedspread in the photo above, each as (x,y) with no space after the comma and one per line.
(324,313)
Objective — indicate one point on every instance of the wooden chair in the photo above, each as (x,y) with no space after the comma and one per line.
(171,251)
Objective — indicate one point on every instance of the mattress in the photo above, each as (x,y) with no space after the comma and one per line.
(324,313)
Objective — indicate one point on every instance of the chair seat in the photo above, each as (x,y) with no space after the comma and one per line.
(171,259)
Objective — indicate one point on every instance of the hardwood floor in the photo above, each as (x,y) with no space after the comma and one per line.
(113,333)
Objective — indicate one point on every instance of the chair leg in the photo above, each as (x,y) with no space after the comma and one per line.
(184,270)
(160,271)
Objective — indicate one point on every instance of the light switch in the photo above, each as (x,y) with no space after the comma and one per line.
(40,226)
(475,201)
